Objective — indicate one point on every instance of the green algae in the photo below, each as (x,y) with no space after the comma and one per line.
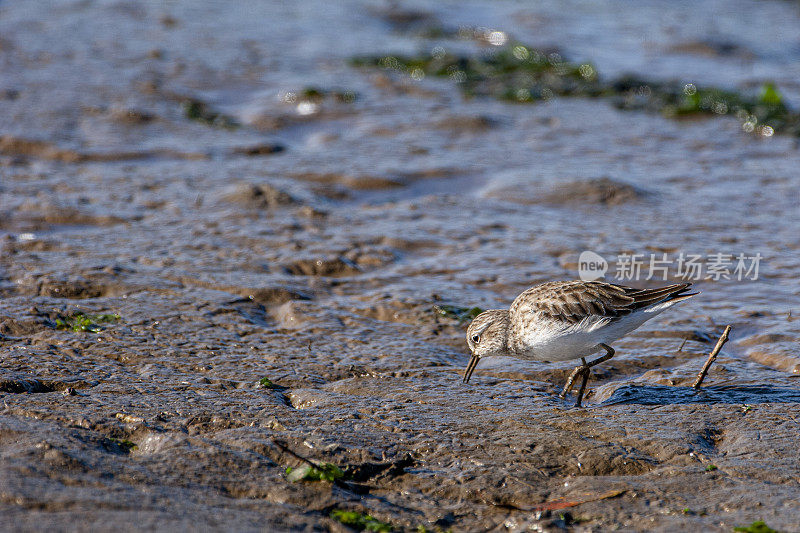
(321,472)
(462,314)
(756,527)
(266,383)
(360,521)
(316,93)
(519,73)
(126,445)
(79,321)
(202,112)
(515,72)
(763,113)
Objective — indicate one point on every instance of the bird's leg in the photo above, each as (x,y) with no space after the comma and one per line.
(586,366)
(571,378)
(581,390)
(609,354)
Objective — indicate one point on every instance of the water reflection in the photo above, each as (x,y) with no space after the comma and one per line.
(729,394)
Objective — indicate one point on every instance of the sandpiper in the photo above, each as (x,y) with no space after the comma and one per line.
(564,320)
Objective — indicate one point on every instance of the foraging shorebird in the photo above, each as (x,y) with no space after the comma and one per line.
(564,320)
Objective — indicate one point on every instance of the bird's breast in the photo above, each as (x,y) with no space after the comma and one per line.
(555,342)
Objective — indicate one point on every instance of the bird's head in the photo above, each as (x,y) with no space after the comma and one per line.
(487,335)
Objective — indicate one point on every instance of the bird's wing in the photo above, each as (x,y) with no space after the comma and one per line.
(572,302)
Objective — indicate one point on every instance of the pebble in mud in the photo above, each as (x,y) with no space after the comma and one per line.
(259,196)
(337,266)
(580,194)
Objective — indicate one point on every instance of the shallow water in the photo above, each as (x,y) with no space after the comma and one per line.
(113,201)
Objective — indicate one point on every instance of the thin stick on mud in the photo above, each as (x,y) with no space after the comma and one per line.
(712,357)
(284,448)
(313,464)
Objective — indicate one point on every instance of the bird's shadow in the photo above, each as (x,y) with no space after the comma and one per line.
(731,394)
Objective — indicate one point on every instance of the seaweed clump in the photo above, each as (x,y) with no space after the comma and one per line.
(462,314)
(202,112)
(80,321)
(756,527)
(321,472)
(519,73)
(360,521)
(764,113)
(514,72)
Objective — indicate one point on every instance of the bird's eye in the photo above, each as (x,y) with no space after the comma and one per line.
(476,339)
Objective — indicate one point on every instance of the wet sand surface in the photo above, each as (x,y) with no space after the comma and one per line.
(168,166)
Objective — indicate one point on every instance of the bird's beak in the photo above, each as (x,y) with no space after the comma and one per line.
(473,362)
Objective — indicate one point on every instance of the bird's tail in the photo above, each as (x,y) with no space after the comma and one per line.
(655,300)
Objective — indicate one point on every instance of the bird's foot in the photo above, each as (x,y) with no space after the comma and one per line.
(571,380)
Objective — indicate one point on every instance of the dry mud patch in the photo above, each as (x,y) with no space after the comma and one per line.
(170,397)
(484,454)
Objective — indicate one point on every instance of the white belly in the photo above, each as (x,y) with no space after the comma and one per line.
(583,339)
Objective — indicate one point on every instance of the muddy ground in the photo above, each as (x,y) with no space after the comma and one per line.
(223,248)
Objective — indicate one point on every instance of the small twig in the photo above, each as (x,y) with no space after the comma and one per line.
(313,464)
(712,357)
(683,344)
(357,489)
(555,505)
(286,449)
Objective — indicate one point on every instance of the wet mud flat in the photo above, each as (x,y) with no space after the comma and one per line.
(225,253)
